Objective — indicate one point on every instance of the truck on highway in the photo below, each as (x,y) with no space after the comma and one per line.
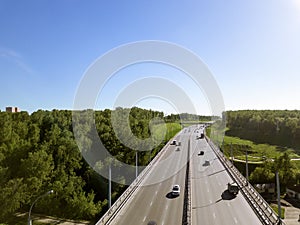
(233,188)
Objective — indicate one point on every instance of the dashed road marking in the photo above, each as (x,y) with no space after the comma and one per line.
(235,220)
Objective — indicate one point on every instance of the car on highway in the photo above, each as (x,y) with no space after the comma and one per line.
(233,188)
(174,142)
(176,190)
(201,153)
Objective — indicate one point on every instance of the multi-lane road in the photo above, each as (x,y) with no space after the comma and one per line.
(210,203)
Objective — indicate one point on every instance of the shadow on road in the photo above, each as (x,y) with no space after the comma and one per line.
(204,206)
(206,163)
(171,196)
(226,195)
(220,171)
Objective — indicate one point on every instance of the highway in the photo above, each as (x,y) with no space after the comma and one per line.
(153,200)
(210,203)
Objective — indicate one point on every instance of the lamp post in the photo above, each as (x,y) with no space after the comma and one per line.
(29,214)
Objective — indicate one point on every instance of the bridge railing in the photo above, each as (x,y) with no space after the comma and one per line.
(110,214)
(264,211)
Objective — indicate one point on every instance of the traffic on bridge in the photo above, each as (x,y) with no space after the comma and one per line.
(190,182)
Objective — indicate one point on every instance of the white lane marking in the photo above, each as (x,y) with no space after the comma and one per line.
(235,220)
(228,204)
(144,219)
(214,215)
(151,203)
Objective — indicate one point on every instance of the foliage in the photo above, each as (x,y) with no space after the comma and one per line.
(277,127)
(275,208)
(186,117)
(275,133)
(38,152)
(256,152)
(282,164)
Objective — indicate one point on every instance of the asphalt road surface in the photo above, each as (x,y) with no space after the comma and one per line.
(154,201)
(211,204)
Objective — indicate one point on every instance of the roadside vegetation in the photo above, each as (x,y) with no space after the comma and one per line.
(274,127)
(256,152)
(271,139)
(275,208)
(38,153)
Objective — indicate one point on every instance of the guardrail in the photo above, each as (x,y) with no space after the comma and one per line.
(264,211)
(110,214)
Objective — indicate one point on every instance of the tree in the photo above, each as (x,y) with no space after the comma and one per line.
(285,168)
(263,174)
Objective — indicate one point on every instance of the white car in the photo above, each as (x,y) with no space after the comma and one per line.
(176,190)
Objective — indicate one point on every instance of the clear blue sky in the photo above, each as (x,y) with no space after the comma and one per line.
(251,47)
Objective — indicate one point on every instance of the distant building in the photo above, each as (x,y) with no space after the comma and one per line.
(12,109)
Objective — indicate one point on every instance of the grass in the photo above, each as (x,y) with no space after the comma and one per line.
(275,208)
(256,152)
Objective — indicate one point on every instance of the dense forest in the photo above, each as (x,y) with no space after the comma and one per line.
(186,117)
(280,128)
(38,152)
(276,127)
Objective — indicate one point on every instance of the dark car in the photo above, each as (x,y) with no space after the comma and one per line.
(201,153)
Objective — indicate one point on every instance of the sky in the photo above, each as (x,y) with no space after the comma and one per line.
(251,48)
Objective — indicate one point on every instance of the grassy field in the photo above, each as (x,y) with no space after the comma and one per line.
(256,152)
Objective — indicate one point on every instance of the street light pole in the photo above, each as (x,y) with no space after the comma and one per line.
(136,164)
(109,187)
(29,214)
(278,196)
(247,173)
(231,155)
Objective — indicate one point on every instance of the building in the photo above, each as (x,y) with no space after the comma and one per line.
(12,109)
(293,191)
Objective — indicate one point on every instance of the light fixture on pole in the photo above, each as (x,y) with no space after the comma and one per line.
(29,214)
